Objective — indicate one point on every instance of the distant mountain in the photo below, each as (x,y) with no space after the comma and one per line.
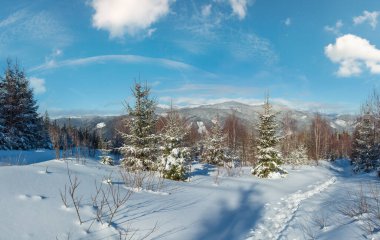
(202,116)
(249,114)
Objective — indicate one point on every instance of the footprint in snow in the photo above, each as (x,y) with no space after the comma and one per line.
(31,197)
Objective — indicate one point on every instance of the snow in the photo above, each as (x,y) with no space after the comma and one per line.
(201,127)
(341,123)
(240,207)
(100,125)
(281,215)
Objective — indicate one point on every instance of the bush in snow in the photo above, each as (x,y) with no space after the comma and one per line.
(140,149)
(297,157)
(106,160)
(174,156)
(268,156)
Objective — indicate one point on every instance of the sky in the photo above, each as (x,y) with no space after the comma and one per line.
(83,56)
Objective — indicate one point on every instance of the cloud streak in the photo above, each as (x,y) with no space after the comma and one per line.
(32,27)
(369,17)
(335,29)
(122,59)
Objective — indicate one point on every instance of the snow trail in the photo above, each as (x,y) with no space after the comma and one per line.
(280,214)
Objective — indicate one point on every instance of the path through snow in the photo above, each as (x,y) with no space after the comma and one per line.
(279,215)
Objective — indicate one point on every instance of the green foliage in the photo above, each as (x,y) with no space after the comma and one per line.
(21,127)
(140,149)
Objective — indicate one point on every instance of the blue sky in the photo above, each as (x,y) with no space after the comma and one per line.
(82,56)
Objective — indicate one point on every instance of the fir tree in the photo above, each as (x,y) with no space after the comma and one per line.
(268,156)
(105,158)
(214,150)
(4,145)
(365,155)
(175,156)
(297,157)
(21,123)
(140,143)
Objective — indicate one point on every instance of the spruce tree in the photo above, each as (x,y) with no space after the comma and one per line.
(268,156)
(214,150)
(297,157)
(365,155)
(140,143)
(174,155)
(21,123)
(4,145)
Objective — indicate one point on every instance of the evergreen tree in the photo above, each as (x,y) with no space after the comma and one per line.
(297,157)
(4,145)
(268,156)
(21,123)
(175,156)
(214,150)
(105,158)
(45,131)
(140,143)
(365,151)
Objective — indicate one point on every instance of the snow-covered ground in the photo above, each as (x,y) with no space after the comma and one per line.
(207,207)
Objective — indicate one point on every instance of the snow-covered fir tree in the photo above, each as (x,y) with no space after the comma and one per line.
(297,157)
(214,150)
(268,156)
(22,127)
(365,155)
(174,155)
(140,150)
(105,158)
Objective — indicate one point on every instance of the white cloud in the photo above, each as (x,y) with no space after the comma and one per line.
(353,53)
(121,17)
(239,8)
(206,10)
(288,22)
(336,28)
(38,85)
(370,17)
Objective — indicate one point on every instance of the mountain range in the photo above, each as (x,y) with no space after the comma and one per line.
(204,115)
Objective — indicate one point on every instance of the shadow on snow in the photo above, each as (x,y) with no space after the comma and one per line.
(233,222)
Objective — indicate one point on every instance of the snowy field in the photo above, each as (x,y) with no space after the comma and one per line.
(307,204)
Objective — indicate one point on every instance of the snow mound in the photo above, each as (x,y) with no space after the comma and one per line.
(100,125)
(201,128)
